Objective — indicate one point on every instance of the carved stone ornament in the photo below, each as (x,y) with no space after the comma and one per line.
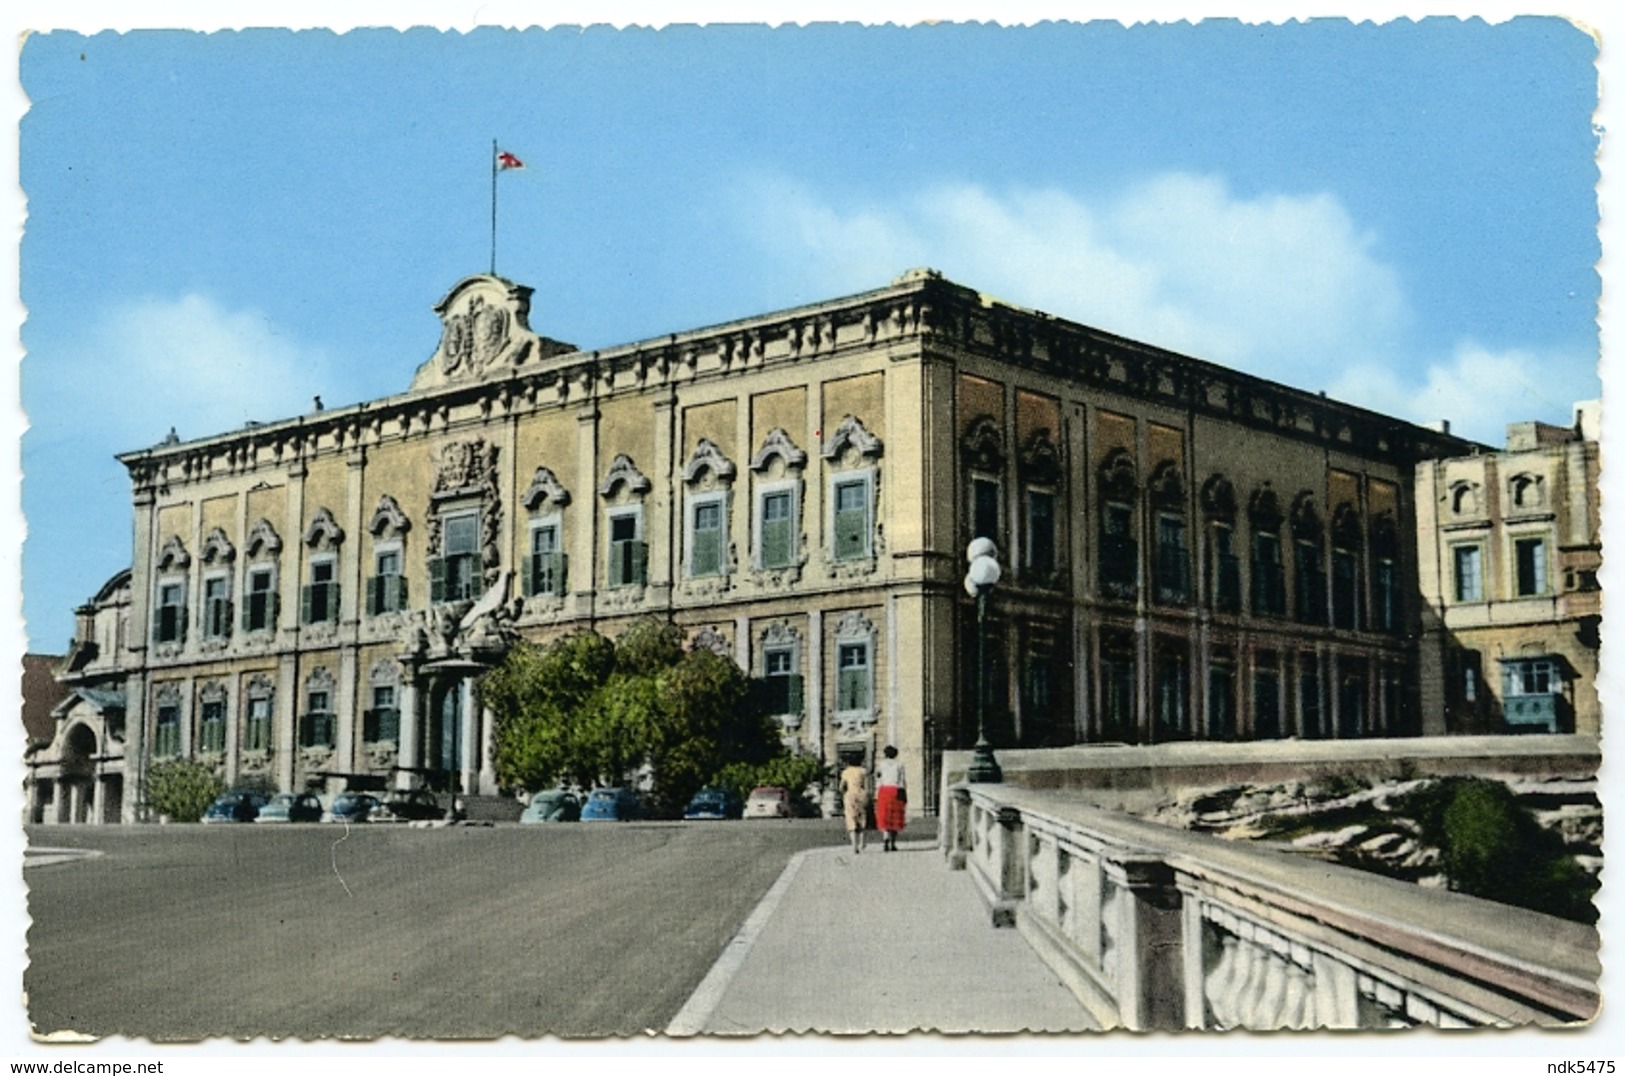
(460,466)
(217,548)
(623,470)
(173,555)
(1218,499)
(709,638)
(982,447)
(213,691)
(1040,458)
(851,433)
(708,457)
(324,531)
(779,634)
(854,627)
(385,671)
(1117,474)
(167,694)
(1305,517)
(777,443)
(263,538)
(1264,510)
(1346,526)
(1167,488)
(320,679)
(544,490)
(472,337)
(388,518)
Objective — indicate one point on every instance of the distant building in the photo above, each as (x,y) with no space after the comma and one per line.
(1509,552)
(1190,552)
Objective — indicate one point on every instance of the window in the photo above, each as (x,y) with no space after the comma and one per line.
(166,743)
(1345,590)
(777,548)
(984,519)
(852,678)
(1221,696)
(1469,573)
(1225,579)
(257,729)
(1116,691)
(1469,683)
(320,600)
(628,554)
(781,684)
(1119,552)
(169,619)
(851,521)
(544,572)
(454,576)
(216,607)
(706,538)
(316,727)
(1538,676)
(212,727)
(1311,584)
(1173,562)
(1385,595)
(1266,699)
(1041,531)
(386,590)
(1172,712)
(1533,690)
(1309,696)
(382,721)
(259,613)
(1269,578)
(1531,557)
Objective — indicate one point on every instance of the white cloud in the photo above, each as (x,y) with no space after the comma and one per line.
(1284,286)
(189,362)
(1478,389)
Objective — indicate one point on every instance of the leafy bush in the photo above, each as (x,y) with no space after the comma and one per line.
(182,788)
(796,774)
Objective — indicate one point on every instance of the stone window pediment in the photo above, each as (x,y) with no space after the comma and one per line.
(1306,526)
(851,436)
(1218,499)
(388,519)
(217,548)
(982,446)
(263,539)
(1264,510)
(1041,458)
(1167,487)
(544,491)
(172,556)
(623,473)
(324,532)
(1118,478)
(708,465)
(777,445)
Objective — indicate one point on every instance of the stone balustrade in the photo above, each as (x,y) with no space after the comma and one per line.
(1156,928)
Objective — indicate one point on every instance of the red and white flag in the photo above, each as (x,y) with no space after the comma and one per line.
(507,161)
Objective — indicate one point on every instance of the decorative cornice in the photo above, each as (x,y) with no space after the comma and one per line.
(545,489)
(263,537)
(851,432)
(324,531)
(217,547)
(173,555)
(388,517)
(777,443)
(708,457)
(623,470)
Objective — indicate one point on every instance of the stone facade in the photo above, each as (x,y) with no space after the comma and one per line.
(1509,553)
(1189,552)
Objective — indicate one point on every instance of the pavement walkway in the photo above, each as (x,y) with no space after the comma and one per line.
(878,942)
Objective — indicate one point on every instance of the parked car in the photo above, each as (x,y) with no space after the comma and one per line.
(714,803)
(768,801)
(235,806)
(611,805)
(352,807)
(291,807)
(410,805)
(552,805)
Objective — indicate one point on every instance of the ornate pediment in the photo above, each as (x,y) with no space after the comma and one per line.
(709,638)
(1264,510)
(853,625)
(777,443)
(484,326)
(624,472)
(544,489)
(217,548)
(1218,499)
(982,447)
(388,518)
(852,434)
(708,458)
(1117,474)
(463,467)
(263,538)
(173,555)
(1167,487)
(1041,458)
(1305,518)
(324,531)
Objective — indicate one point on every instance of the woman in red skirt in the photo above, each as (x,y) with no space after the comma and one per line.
(891,798)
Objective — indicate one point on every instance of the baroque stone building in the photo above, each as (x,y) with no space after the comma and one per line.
(1190,552)
(1509,548)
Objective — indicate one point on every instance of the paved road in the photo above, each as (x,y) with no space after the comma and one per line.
(185,932)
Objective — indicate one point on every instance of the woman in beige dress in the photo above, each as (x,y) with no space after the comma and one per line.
(855,803)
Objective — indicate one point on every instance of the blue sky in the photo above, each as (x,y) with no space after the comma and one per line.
(221,227)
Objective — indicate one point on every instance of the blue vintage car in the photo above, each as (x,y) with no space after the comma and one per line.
(235,806)
(612,805)
(713,803)
(352,807)
(291,807)
(552,805)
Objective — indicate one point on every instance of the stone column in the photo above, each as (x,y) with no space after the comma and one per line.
(814,693)
(407,747)
(488,770)
(470,769)
(286,718)
(135,734)
(662,508)
(742,642)
(1151,994)
(586,561)
(76,801)
(345,731)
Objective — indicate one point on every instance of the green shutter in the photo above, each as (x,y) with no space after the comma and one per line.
(640,563)
(561,582)
(437,579)
(528,579)
(304,604)
(776,544)
(706,559)
(793,704)
(375,594)
(334,593)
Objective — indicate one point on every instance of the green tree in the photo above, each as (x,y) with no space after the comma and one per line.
(796,774)
(182,788)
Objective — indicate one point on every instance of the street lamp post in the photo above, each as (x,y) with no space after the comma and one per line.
(980,579)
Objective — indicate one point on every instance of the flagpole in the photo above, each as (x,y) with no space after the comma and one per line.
(493,207)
